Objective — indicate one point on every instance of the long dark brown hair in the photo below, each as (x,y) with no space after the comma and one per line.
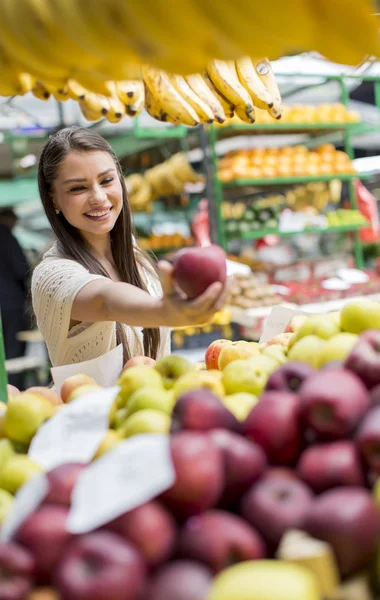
(129,260)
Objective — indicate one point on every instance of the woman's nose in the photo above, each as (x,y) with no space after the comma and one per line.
(98,195)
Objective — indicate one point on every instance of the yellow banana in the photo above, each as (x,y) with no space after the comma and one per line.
(12,81)
(62,94)
(93,82)
(249,78)
(202,109)
(228,84)
(135,109)
(228,107)
(76,91)
(264,70)
(177,109)
(244,116)
(153,106)
(200,87)
(116,109)
(94,106)
(129,91)
(40,91)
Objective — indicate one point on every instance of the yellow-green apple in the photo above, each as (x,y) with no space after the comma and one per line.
(145,421)
(45,535)
(17,569)
(322,326)
(200,366)
(111,439)
(81,390)
(248,375)
(6,452)
(195,269)
(198,380)
(180,580)
(147,397)
(202,411)
(25,414)
(348,519)
(3,410)
(101,565)
(244,463)
(139,361)
(274,505)
(62,480)
(171,368)
(337,348)
(364,359)
(358,316)
(330,465)
(48,393)
(275,424)
(6,504)
(335,314)
(236,351)
(279,353)
(134,378)
(199,469)
(240,404)
(213,351)
(265,580)
(295,323)
(17,471)
(119,417)
(12,390)
(218,538)
(308,350)
(289,377)
(151,529)
(282,339)
(73,382)
(333,402)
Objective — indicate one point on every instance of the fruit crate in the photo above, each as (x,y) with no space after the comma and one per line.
(202,338)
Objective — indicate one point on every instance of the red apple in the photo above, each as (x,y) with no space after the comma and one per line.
(17,568)
(368,439)
(213,351)
(282,339)
(200,410)
(374,395)
(46,392)
(333,402)
(198,464)
(44,534)
(274,424)
(195,269)
(62,480)
(364,359)
(244,463)
(273,506)
(73,382)
(100,566)
(331,465)
(348,519)
(141,361)
(180,580)
(151,529)
(219,539)
(289,377)
(277,472)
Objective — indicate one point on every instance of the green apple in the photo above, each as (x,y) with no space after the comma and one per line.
(17,471)
(265,580)
(279,353)
(335,315)
(196,381)
(248,375)
(359,316)
(172,368)
(6,452)
(240,404)
(6,503)
(337,348)
(111,439)
(145,421)
(322,326)
(26,413)
(119,417)
(236,351)
(135,378)
(308,350)
(81,390)
(147,397)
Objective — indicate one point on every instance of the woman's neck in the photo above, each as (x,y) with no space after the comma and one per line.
(100,246)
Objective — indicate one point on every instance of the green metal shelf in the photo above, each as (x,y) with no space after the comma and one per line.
(260,233)
(291,180)
(278,127)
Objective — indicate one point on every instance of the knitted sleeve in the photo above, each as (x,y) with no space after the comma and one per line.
(55,283)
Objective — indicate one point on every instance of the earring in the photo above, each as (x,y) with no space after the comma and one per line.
(57,211)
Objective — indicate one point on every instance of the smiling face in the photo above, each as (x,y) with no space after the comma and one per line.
(88,192)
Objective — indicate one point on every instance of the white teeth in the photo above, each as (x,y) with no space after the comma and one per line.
(99,214)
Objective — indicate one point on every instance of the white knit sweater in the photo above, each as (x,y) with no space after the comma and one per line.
(55,283)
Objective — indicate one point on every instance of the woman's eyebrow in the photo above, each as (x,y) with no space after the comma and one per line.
(84,179)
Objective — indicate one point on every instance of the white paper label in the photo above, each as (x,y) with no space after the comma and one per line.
(27,499)
(133,473)
(105,369)
(75,432)
(277,321)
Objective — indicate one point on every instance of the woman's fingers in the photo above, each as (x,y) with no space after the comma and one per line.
(223,297)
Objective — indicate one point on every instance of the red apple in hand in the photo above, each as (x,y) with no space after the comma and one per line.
(364,359)
(16,572)
(198,464)
(62,480)
(333,402)
(212,353)
(346,518)
(150,528)
(180,580)
(202,411)
(289,377)
(274,505)
(218,539)
(331,465)
(274,424)
(195,269)
(100,566)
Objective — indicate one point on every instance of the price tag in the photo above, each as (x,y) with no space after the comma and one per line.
(27,499)
(75,432)
(133,473)
(277,321)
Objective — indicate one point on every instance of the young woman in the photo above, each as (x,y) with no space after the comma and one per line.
(95,288)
